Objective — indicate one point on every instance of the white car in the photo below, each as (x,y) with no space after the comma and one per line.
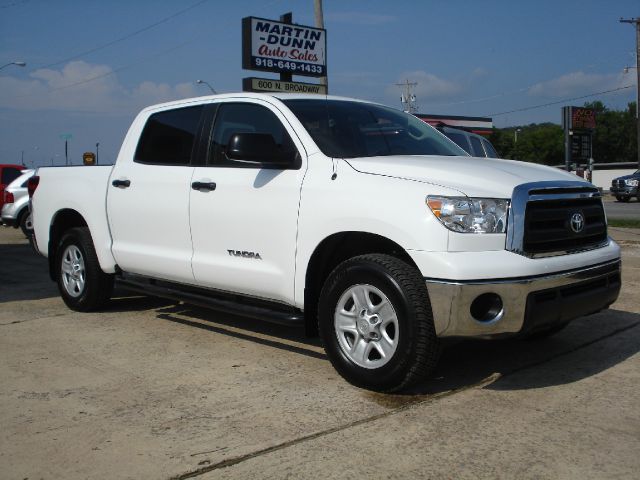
(344,216)
(15,209)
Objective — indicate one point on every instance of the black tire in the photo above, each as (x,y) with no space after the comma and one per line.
(85,287)
(25,222)
(417,348)
(623,199)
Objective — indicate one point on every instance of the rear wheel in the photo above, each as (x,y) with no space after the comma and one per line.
(376,323)
(620,198)
(26,224)
(83,285)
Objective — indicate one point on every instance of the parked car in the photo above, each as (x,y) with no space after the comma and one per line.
(474,144)
(339,215)
(8,173)
(15,210)
(626,187)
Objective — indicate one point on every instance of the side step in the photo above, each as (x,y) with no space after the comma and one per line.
(221,302)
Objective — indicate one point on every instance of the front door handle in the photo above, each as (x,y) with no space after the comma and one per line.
(121,183)
(203,186)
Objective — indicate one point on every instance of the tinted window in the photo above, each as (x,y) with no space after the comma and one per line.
(460,139)
(347,129)
(491,152)
(235,118)
(168,137)
(477,147)
(9,175)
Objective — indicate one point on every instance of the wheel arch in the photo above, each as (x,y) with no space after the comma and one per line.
(332,251)
(62,221)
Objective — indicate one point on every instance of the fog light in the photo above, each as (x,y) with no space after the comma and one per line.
(487,308)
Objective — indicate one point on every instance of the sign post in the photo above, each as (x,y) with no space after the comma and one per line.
(578,124)
(66,137)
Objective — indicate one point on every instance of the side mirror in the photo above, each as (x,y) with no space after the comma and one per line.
(259,148)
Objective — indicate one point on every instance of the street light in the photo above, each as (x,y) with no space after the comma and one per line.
(19,64)
(202,82)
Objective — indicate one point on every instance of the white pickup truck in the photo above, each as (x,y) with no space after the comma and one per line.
(354,219)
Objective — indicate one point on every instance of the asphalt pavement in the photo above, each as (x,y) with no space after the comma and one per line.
(624,210)
(159,390)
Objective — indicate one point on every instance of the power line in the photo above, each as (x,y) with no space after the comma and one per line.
(142,59)
(560,101)
(126,37)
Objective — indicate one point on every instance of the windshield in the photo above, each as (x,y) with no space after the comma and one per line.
(345,129)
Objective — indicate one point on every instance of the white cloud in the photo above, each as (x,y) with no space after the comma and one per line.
(580,83)
(429,86)
(80,86)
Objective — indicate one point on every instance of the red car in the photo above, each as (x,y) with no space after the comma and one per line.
(8,173)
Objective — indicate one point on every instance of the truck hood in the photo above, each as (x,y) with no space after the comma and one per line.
(470,176)
(634,176)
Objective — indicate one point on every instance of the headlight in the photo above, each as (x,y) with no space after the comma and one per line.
(470,215)
(631,182)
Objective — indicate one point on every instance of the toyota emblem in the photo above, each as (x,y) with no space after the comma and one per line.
(577,222)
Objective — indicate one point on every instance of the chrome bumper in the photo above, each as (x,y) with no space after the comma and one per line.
(527,303)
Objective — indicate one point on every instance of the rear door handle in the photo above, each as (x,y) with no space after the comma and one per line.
(121,183)
(203,186)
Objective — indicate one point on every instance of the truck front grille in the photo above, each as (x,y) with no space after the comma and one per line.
(548,225)
(555,218)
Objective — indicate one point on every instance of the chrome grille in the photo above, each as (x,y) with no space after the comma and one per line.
(542,215)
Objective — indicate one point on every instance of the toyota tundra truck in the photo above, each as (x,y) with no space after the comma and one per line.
(357,221)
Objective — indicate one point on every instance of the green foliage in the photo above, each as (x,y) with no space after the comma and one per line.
(614,139)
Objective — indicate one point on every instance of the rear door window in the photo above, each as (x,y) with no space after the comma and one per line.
(169,137)
(9,174)
(477,147)
(460,140)
(491,152)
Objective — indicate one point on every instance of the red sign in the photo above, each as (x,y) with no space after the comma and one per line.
(583,118)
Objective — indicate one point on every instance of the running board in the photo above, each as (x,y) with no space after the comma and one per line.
(261,310)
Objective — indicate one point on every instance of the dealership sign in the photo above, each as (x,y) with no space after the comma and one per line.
(272,46)
(253,84)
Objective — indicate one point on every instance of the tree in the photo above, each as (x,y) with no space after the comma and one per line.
(614,139)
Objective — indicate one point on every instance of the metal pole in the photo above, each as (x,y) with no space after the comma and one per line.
(317,7)
(636,22)
(566,124)
(638,87)
(97,152)
(66,152)
(288,19)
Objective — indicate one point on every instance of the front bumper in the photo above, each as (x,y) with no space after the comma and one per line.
(623,191)
(527,303)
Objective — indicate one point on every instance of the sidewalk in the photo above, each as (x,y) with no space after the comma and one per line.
(625,235)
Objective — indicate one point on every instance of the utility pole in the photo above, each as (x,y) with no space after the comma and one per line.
(636,21)
(408,99)
(317,7)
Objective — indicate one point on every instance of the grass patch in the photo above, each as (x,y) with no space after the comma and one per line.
(624,222)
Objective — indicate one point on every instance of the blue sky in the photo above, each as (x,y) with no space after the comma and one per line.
(468,58)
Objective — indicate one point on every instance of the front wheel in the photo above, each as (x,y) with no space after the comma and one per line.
(83,285)
(376,323)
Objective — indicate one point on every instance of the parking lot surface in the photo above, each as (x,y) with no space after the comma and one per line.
(622,210)
(154,389)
